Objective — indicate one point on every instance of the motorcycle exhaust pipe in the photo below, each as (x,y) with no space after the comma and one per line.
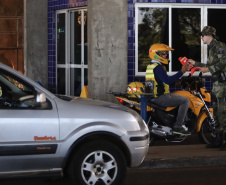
(160,131)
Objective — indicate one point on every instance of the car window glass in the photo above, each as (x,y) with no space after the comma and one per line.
(14,85)
(17,94)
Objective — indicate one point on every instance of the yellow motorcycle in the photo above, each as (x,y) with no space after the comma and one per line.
(160,120)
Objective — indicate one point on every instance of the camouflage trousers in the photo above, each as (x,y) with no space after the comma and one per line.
(219,105)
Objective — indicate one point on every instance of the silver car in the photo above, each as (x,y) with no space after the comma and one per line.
(91,142)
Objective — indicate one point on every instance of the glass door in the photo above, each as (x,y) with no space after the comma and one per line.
(78,51)
(72,65)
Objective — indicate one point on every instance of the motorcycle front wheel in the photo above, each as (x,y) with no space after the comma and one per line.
(151,141)
(205,132)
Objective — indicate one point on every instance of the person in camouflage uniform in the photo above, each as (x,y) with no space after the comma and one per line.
(216,65)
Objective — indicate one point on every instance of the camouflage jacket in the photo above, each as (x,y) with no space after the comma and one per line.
(217,59)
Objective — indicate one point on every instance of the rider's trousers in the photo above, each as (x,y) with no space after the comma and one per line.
(174,100)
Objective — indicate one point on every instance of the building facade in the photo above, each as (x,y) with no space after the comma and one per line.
(104,44)
(173,22)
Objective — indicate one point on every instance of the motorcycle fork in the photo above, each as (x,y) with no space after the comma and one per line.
(212,122)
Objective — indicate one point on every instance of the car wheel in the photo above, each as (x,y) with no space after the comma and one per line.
(98,163)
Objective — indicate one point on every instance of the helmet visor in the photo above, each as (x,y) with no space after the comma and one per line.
(163,53)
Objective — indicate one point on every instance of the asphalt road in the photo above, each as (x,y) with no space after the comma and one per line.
(176,176)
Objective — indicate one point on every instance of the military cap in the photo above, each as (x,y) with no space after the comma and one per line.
(209,30)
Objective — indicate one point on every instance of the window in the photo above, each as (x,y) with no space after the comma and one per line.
(17,94)
(12,34)
(178,26)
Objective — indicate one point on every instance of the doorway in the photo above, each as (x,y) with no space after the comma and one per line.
(72,65)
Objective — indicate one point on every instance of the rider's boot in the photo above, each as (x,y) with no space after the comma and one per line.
(182,130)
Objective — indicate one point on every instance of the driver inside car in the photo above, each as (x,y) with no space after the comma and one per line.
(14,93)
(157,75)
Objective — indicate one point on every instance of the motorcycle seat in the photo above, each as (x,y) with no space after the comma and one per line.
(152,104)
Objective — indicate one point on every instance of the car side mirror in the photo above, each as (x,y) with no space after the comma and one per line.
(40,97)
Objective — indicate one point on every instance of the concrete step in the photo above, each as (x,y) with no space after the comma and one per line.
(177,156)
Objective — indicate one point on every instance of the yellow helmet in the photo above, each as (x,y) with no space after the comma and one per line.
(134,89)
(155,51)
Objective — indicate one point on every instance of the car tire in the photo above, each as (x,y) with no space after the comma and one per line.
(98,163)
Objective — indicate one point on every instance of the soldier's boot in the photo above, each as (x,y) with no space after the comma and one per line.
(223,142)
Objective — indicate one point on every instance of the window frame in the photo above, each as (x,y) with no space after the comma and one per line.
(204,22)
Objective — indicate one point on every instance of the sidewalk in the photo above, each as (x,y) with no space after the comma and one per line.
(175,156)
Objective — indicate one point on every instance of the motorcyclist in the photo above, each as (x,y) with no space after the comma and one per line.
(156,72)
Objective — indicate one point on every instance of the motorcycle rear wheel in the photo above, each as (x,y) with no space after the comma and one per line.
(205,132)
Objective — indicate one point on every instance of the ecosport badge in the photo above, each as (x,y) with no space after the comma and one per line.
(45,138)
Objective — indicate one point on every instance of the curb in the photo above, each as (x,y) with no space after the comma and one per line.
(183,162)
(183,157)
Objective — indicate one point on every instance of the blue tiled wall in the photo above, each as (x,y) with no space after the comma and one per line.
(54,5)
(131,34)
